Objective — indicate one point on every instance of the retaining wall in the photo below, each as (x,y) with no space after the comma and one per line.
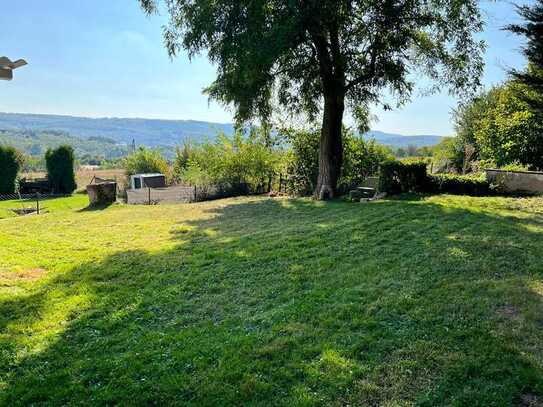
(525,182)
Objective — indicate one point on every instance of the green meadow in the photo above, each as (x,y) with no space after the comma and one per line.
(255,301)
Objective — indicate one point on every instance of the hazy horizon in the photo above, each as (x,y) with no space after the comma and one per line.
(183,120)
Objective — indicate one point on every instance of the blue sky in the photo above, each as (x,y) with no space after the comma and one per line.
(105,58)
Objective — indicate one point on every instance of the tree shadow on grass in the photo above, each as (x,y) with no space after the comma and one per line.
(293,302)
(95,207)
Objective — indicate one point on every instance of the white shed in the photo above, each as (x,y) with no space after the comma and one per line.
(138,181)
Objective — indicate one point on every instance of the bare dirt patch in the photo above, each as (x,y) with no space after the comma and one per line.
(24,275)
(24,211)
(509,312)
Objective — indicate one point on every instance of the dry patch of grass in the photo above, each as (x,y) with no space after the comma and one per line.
(23,275)
(85,176)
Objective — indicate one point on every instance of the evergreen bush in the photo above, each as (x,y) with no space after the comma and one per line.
(60,169)
(10,165)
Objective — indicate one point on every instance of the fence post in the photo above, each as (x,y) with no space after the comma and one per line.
(37,203)
(149,195)
(280,181)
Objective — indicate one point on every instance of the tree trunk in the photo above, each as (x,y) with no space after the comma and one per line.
(331,146)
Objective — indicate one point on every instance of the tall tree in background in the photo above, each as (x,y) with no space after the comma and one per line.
(499,127)
(321,57)
(60,169)
(10,164)
(532,76)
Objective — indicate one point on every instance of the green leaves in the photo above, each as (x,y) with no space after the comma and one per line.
(145,160)
(502,127)
(361,159)
(229,162)
(532,76)
(10,164)
(272,53)
(306,57)
(60,169)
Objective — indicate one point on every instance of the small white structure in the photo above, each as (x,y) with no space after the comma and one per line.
(139,181)
(7,66)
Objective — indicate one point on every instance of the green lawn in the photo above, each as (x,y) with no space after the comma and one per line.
(76,201)
(253,301)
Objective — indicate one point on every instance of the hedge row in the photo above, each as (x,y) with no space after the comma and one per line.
(458,185)
(397,177)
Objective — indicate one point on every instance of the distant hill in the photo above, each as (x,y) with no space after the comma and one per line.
(152,132)
(36,142)
(399,140)
(148,132)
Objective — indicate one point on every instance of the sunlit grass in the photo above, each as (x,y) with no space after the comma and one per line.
(45,205)
(421,300)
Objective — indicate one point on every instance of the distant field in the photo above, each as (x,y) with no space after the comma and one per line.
(84,176)
(432,301)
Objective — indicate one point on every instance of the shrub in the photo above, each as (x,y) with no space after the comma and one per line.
(236,165)
(458,185)
(60,169)
(396,177)
(361,159)
(145,161)
(516,166)
(451,155)
(10,163)
(416,160)
(182,157)
(302,160)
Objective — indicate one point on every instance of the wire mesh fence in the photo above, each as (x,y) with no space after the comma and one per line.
(151,196)
(30,196)
(23,204)
(183,193)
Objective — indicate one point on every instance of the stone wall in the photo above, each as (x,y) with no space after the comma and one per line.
(524,182)
(104,193)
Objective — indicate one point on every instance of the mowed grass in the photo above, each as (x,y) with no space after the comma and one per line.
(77,201)
(253,301)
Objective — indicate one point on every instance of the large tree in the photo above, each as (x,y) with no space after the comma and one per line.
(532,77)
(321,57)
(501,127)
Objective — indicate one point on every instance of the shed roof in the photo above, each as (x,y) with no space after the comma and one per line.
(149,175)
